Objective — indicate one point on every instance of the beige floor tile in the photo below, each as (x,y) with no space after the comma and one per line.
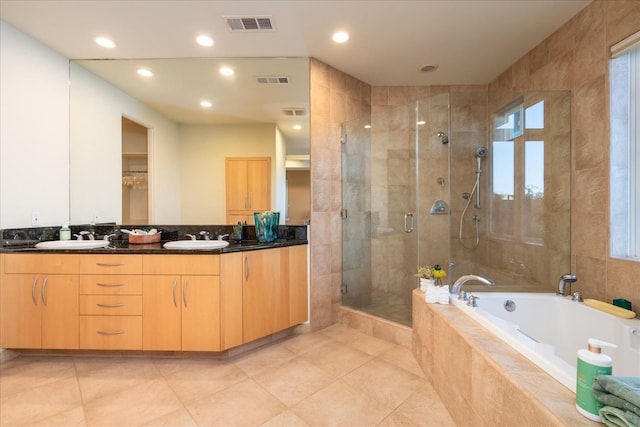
(244,404)
(28,372)
(304,343)
(285,419)
(263,358)
(423,408)
(340,405)
(196,379)
(293,380)
(337,359)
(403,358)
(384,382)
(358,340)
(71,418)
(134,406)
(178,418)
(103,376)
(39,403)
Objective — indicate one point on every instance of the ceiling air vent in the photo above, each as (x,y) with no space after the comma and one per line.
(294,112)
(273,80)
(249,23)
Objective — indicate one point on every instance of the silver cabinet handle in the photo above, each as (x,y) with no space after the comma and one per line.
(109,285)
(109,305)
(116,332)
(107,264)
(33,291)
(408,222)
(43,292)
(175,286)
(184,292)
(246,268)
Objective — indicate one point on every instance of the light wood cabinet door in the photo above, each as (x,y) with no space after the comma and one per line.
(162,313)
(181,313)
(200,313)
(20,312)
(60,312)
(248,187)
(265,293)
(298,288)
(231,300)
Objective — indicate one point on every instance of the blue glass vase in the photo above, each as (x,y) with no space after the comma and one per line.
(266,226)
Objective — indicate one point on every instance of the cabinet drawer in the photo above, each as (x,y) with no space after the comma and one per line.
(41,263)
(109,305)
(111,264)
(181,264)
(110,284)
(111,332)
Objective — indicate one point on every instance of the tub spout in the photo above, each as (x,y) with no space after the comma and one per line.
(455,288)
(565,279)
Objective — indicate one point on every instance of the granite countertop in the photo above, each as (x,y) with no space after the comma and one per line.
(24,240)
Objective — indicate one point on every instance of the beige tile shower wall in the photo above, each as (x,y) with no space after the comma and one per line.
(335,98)
(576,58)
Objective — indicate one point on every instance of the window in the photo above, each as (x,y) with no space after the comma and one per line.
(625,148)
(517,180)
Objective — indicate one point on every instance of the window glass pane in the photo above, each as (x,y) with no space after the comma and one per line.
(503,188)
(534,116)
(533,190)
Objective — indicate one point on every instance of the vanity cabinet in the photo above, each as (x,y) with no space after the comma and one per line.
(181,302)
(110,302)
(248,187)
(39,301)
(298,288)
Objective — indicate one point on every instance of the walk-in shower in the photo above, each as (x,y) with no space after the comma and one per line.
(405,169)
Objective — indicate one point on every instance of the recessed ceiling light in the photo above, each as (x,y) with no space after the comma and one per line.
(421,122)
(144,72)
(297,127)
(367,126)
(205,41)
(428,68)
(105,42)
(340,37)
(226,71)
(206,104)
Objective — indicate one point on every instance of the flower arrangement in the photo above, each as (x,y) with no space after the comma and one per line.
(438,274)
(425,272)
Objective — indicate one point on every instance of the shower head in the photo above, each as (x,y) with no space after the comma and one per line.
(481,152)
(443,137)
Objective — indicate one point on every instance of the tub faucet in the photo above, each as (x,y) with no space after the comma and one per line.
(565,279)
(455,288)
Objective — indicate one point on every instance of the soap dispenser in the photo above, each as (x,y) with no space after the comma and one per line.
(591,363)
(65,232)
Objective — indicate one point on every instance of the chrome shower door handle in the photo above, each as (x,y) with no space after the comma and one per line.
(408,222)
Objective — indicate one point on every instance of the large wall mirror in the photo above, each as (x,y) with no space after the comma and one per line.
(192,117)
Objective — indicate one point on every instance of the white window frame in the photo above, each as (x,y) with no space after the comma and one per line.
(625,149)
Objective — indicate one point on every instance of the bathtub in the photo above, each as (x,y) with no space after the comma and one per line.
(549,330)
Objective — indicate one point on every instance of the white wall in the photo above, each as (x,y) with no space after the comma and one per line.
(96,149)
(34,131)
(204,148)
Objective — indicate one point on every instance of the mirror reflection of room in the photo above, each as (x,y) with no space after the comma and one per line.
(135,173)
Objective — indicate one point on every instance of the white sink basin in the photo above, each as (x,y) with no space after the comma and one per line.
(73,244)
(196,244)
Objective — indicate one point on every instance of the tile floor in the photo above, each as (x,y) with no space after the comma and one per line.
(337,376)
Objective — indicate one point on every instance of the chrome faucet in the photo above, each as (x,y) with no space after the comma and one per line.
(455,288)
(206,235)
(566,279)
(89,235)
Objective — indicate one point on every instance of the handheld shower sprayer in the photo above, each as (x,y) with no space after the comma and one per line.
(480,153)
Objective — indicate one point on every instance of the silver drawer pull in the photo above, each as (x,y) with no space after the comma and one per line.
(116,332)
(106,264)
(33,291)
(109,285)
(109,305)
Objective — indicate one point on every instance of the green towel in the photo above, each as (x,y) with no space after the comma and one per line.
(616,417)
(619,392)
